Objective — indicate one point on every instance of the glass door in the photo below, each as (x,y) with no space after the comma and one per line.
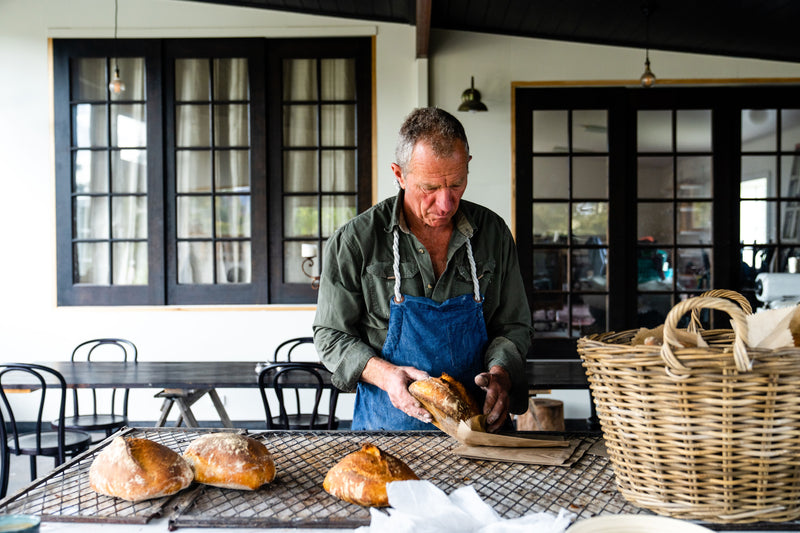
(674,226)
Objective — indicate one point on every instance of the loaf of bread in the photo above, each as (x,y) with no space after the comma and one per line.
(139,469)
(230,461)
(446,399)
(361,477)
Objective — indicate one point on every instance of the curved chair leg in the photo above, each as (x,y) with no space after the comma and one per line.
(6,466)
(33,467)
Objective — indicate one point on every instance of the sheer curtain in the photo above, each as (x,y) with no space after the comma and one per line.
(213,171)
(193,172)
(129,178)
(319,140)
(110,176)
(213,217)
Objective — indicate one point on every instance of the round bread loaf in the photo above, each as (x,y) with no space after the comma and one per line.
(361,477)
(139,469)
(446,399)
(230,461)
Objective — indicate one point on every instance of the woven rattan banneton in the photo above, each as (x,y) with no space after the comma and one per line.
(694,432)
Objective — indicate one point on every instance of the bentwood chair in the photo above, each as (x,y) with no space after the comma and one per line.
(5,458)
(294,376)
(43,384)
(109,408)
(285,349)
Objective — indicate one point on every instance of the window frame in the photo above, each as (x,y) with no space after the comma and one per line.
(264,55)
(219,293)
(69,293)
(281,49)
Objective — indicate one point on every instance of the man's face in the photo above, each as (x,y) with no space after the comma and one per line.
(433,185)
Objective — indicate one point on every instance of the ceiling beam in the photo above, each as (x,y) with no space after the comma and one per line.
(423,24)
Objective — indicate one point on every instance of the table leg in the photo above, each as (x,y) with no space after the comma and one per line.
(185,398)
(223,414)
(166,407)
(186,413)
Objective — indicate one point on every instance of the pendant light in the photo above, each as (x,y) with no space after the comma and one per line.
(648,79)
(116,85)
(471,99)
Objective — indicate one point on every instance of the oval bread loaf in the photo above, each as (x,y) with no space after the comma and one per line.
(361,477)
(139,469)
(446,399)
(230,461)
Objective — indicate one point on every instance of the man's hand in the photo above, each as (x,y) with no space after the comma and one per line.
(395,380)
(497,384)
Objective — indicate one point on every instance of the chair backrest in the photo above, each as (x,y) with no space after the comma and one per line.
(285,349)
(30,378)
(106,349)
(295,376)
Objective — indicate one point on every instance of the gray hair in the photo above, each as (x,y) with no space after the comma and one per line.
(433,125)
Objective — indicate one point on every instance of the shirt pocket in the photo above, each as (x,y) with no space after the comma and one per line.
(379,285)
(485,271)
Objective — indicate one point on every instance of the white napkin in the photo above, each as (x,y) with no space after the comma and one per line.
(770,329)
(421,507)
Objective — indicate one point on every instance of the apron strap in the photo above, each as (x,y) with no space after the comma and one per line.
(396,267)
(473,270)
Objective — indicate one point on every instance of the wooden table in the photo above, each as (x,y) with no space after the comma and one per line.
(182,383)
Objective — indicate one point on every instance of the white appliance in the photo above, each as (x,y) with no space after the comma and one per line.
(778,289)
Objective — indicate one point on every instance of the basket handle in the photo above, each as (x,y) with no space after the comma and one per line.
(695,324)
(740,357)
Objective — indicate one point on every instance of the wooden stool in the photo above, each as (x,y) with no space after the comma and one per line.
(543,414)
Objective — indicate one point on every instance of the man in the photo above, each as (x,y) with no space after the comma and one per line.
(421,284)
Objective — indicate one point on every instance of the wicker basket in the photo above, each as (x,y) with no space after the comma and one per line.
(710,433)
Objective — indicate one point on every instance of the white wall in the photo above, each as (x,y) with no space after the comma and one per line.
(33,328)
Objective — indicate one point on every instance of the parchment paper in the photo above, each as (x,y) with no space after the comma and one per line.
(547,450)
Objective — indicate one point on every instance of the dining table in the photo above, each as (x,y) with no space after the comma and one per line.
(181,383)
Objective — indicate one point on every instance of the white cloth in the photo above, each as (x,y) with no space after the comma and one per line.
(421,507)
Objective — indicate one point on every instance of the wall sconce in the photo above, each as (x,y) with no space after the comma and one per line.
(471,99)
(309,252)
(116,85)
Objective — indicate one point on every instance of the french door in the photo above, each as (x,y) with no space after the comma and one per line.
(630,200)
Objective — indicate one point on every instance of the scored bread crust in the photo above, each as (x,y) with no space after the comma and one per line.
(445,398)
(361,477)
(230,461)
(139,469)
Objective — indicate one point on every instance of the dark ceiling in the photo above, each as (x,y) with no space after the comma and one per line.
(764,29)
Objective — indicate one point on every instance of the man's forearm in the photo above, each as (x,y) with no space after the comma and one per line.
(344,355)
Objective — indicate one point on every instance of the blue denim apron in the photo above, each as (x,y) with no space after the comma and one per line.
(434,337)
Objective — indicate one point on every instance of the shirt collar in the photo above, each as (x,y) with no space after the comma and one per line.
(462,222)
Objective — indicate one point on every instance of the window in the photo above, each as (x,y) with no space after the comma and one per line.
(770,191)
(630,200)
(569,220)
(674,211)
(200,183)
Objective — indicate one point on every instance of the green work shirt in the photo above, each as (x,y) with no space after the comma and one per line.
(357,283)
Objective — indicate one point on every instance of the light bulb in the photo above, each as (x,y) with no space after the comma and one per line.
(648,79)
(116,85)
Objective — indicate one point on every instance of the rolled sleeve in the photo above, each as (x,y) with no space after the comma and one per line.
(504,353)
(340,306)
(508,322)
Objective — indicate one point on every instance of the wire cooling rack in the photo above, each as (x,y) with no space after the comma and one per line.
(296,497)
